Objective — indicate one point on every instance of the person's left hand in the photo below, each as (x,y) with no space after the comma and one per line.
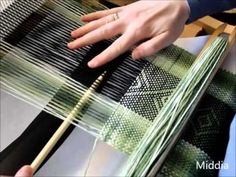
(25,171)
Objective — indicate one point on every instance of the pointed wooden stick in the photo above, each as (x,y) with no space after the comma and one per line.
(63,127)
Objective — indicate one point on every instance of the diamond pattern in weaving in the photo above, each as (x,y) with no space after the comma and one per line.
(138,107)
(150,91)
(144,99)
(182,162)
(208,128)
(205,139)
(207,136)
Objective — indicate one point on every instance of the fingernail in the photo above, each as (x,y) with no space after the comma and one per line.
(135,56)
(72,33)
(83,18)
(70,45)
(92,64)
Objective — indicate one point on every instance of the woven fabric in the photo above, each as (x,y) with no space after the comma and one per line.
(151,89)
(124,129)
(147,96)
(182,162)
(223,87)
(144,98)
(206,136)
(207,131)
(208,126)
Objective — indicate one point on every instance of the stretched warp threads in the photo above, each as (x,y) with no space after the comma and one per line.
(46,88)
(47,40)
(39,84)
(42,35)
(66,123)
(22,9)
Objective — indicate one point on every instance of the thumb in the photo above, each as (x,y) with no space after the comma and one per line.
(25,171)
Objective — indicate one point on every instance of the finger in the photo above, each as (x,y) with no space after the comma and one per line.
(118,47)
(152,46)
(91,26)
(99,14)
(105,32)
(25,171)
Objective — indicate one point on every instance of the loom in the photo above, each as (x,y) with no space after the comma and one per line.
(42,31)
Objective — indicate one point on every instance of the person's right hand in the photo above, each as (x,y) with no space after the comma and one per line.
(152,25)
(25,171)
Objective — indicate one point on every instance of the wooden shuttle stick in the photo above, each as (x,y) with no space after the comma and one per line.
(63,127)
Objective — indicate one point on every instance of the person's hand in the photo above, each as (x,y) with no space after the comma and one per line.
(25,171)
(152,25)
